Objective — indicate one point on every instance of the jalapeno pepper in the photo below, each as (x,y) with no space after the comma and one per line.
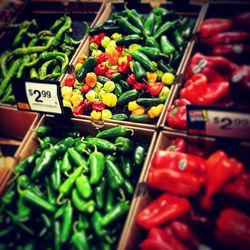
(114,176)
(77,158)
(56,179)
(101,144)
(124,144)
(67,222)
(126,166)
(139,155)
(99,194)
(115,132)
(110,200)
(83,186)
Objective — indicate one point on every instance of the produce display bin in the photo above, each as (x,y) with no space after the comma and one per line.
(195,12)
(140,135)
(232,8)
(15,129)
(134,233)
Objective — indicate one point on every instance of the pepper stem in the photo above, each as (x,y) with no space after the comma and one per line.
(121,192)
(87,27)
(132,132)
(59,200)
(66,173)
(75,224)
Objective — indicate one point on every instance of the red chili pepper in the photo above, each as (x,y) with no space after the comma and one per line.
(131,80)
(101,69)
(85,88)
(155,88)
(220,170)
(79,109)
(212,26)
(139,86)
(69,81)
(177,145)
(239,188)
(102,58)
(197,90)
(230,37)
(233,229)
(165,208)
(176,114)
(123,67)
(98,106)
(110,72)
(159,239)
(184,233)
(215,68)
(176,182)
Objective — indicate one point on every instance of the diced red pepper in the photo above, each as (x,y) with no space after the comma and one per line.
(131,80)
(69,81)
(101,69)
(98,106)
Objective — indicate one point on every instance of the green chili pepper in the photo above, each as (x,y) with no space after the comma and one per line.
(120,117)
(62,146)
(116,213)
(50,192)
(149,24)
(68,184)
(139,155)
(81,205)
(114,176)
(166,46)
(144,60)
(56,179)
(86,67)
(149,101)
(78,159)
(57,236)
(23,211)
(178,38)
(66,163)
(115,132)
(9,195)
(79,240)
(47,141)
(129,39)
(67,222)
(110,200)
(127,27)
(158,22)
(57,24)
(83,186)
(46,160)
(60,33)
(81,147)
(105,246)
(59,212)
(139,118)
(126,166)
(82,223)
(99,194)
(118,90)
(117,77)
(124,144)
(33,73)
(43,131)
(125,86)
(127,97)
(96,222)
(96,166)
(164,28)
(101,144)
(135,17)
(102,79)
(139,71)
(46,220)
(165,67)
(128,187)
(111,158)
(151,53)
(3,62)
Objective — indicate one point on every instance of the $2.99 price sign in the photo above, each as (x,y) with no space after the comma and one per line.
(218,122)
(43,97)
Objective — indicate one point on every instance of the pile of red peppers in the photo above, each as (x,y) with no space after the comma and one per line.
(215,78)
(189,211)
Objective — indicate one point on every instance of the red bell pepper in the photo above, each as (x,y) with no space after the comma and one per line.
(123,68)
(220,170)
(101,69)
(69,81)
(233,229)
(184,233)
(155,88)
(177,145)
(193,150)
(159,239)
(231,37)
(110,72)
(180,162)
(213,26)
(102,58)
(165,208)
(242,21)
(131,80)
(139,86)
(198,91)
(215,68)
(176,114)
(98,106)
(78,110)
(95,39)
(239,188)
(176,182)
(85,88)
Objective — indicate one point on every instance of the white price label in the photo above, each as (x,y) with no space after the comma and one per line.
(43,97)
(228,124)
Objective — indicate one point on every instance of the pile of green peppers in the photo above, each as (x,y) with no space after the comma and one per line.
(37,54)
(73,192)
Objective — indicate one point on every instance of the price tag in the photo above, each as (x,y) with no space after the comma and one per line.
(39,96)
(218,122)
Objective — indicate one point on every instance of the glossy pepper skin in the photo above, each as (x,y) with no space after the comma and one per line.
(221,169)
(197,90)
(163,209)
(176,114)
(232,228)
(176,145)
